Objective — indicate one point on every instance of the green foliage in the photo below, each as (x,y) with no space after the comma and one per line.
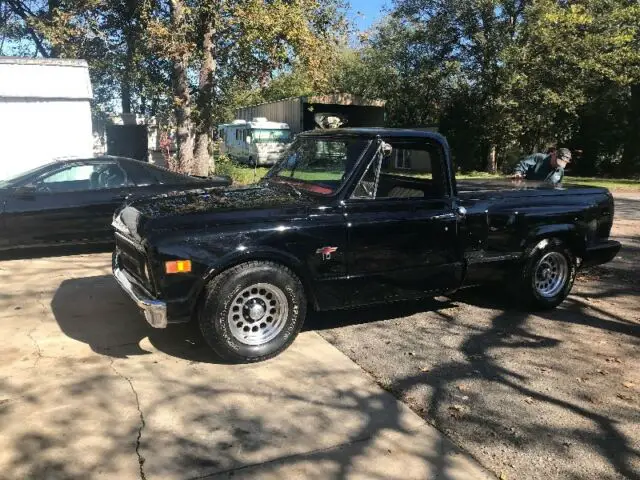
(240,174)
(513,75)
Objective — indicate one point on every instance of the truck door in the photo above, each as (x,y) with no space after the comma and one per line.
(402,231)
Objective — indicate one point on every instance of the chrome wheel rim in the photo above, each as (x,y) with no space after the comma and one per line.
(551,274)
(258,314)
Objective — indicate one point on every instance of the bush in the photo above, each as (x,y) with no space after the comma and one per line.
(240,174)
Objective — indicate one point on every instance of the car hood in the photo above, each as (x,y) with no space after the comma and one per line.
(202,208)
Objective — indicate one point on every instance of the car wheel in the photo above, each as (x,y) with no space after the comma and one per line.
(252,312)
(548,275)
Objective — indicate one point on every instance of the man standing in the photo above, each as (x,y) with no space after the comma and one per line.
(544,167)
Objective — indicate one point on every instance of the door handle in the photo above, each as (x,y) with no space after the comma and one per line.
(461,212)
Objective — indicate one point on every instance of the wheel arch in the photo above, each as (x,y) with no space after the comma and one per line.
(568,234)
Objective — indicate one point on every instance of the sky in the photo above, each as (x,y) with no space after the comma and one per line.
(370,10)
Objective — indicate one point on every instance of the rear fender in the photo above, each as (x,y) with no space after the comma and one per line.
(567,233)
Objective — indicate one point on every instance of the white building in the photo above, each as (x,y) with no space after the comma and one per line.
(44,112)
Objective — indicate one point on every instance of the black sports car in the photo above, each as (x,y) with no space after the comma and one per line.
(71,202)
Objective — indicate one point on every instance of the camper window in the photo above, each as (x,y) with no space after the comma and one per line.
(264,135)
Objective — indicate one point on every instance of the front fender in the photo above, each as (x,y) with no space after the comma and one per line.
(210,258)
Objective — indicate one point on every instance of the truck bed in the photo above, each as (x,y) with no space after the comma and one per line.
(487,188)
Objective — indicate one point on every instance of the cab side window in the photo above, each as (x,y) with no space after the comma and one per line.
(410,171)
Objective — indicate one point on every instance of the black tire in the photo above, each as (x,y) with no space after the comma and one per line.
(544,264)
(222,299)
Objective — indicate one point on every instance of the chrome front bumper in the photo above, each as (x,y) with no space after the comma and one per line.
(155,311)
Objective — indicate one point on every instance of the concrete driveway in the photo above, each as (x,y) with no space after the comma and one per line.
(88,390)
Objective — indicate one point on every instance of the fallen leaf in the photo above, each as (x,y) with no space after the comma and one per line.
(601,372)
(424,369)
(624,397)
(463,388)
(528,400)
(456,411)
(412,353)
(628,384)
(503,476)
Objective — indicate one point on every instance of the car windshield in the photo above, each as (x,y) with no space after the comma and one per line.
(22,176)
(263,135)
(318,165)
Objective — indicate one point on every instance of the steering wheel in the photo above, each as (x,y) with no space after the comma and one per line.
(42,187)
(108,178)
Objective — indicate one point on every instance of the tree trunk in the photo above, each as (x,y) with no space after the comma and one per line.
(182,96)
(131,35)
(492,166)
(125,88)
(631,155)
(204,128)
(56,50)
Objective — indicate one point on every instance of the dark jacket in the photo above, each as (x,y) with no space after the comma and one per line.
(538,167)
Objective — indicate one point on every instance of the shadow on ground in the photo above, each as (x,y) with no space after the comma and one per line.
(479,357)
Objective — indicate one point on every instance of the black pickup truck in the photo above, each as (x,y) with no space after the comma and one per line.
(349,217)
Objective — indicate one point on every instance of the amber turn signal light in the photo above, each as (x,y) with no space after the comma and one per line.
(178,266)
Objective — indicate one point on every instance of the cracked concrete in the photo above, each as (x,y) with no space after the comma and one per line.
(309,413)
(141,459)
(35,344)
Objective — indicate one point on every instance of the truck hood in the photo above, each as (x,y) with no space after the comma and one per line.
(202,208)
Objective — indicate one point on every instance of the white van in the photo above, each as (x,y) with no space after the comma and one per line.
(258,142)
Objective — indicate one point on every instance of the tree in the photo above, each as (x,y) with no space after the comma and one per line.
(231,43)
(183,54)
(578,67)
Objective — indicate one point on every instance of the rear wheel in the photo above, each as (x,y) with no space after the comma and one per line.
(548,275)
(253,311)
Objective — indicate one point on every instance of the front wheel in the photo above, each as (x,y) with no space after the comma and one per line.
(548,275)
(253,311)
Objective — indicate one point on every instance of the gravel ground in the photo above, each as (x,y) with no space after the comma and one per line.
(555,395)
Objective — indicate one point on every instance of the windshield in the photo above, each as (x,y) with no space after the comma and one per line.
(22,176)
(263,135)
(319,165)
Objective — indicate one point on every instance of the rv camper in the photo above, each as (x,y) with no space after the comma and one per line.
(256,142)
